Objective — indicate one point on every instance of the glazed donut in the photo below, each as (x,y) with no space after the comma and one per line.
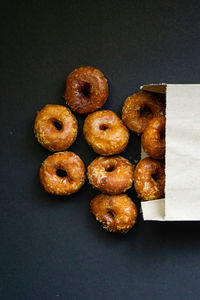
(55,127)
(62,173)
(116,213)
(149,179)
(153,138)
(111,175)
(105,132)
(86,90)
(139,109)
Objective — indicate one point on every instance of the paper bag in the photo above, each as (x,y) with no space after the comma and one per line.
(182,187)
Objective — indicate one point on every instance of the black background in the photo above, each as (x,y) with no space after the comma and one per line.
(52,247)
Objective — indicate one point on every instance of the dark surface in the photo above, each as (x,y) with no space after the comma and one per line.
(51,247)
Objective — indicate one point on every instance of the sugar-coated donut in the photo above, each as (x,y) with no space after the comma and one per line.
(111,175)
(55,127)
(139,109)
(153,138)
(105,132)
(86,90)
(116,213)
(62,173)
(149,179)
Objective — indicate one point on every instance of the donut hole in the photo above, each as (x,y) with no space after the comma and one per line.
(61,173)
(103,127)
(110,168)
(111,213)
(162,134)
(86,90)
(57,124)
(155,176)
(145,111)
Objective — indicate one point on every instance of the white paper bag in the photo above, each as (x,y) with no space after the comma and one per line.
(182,188)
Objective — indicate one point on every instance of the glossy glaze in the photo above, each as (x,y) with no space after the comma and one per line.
(68,162)
(86,90)
(46,132)
(111,175)
(105,132)
(135,105)
(153,138)
(149,179)
(116,213)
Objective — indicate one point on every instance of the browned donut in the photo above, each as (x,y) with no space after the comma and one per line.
(153,138)
(111,175)
(139,109)
(149,179)
(62,173)
(55,127)
(105,132)
(116,213)
(86,90)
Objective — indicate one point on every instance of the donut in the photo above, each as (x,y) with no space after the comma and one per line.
(86,90)
(105,132)
(116,213)
(149,179)
(55,127)
(62,173)
(139,109)
(111,175)
(153,138)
